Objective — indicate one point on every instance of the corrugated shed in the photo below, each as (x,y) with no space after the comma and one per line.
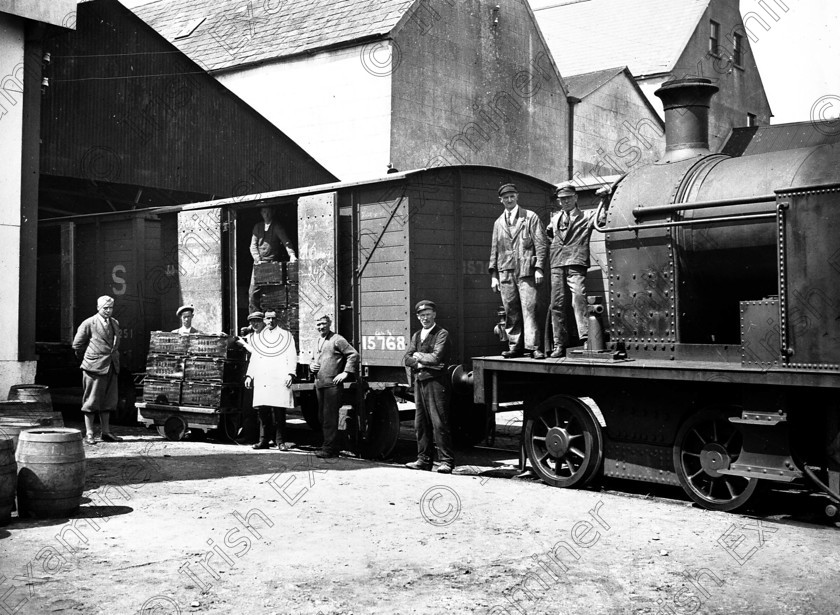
(647,36)
(748,141)
(124,107)
(220,34)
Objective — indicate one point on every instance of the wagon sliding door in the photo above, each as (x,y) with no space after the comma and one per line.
(200,268)
(383,282)
(317,238)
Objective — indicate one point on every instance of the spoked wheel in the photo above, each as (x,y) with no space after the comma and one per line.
(564,442)
(382,427)
(707,443)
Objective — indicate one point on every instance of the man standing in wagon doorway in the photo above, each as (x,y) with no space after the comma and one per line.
(518,255)
(269,243)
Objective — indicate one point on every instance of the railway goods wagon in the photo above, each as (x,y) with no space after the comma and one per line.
(722,367)
(367,252)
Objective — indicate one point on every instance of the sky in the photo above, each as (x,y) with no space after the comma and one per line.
(798,56)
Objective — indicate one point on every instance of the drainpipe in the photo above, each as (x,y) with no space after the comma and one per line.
(571,167)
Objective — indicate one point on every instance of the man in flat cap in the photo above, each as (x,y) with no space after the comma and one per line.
(518,256)
(333,361)
(427,357)
(570,231)
(96,345)
(271,370)
(185,313)
(269,243)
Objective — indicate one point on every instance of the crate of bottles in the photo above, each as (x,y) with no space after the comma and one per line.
(164,342)
(162,391)
(165,366)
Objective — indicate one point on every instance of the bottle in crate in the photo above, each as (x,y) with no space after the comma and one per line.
(165,342)
(165,366)
(207,345)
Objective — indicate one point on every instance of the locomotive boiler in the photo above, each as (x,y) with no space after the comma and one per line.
(723,361)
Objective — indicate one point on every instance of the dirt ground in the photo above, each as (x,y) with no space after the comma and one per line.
(204,527)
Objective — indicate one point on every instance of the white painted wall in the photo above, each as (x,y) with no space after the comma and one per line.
(12,371)
(336,105)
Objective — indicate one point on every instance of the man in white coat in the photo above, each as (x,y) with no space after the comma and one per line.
(272,368)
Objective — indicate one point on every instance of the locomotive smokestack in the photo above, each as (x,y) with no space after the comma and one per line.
(686,103)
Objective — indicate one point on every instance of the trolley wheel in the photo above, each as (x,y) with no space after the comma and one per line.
(175,428)
(706,443)
(379,437)
(564,442)
(309,410)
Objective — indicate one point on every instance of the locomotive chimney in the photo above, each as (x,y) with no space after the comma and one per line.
(686,103)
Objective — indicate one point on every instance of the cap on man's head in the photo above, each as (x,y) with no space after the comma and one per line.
(505,188)
(103,301)
(255,316)
(185,308)
(565,189)
(425,305)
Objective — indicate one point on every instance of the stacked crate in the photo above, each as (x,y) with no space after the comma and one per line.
(280,292)
(190,370)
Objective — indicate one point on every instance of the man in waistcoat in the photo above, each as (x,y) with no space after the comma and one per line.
(427,357)
(96,345)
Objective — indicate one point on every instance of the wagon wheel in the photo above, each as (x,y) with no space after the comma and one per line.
(564,442)
(175,428)
(382,427)
(706,443)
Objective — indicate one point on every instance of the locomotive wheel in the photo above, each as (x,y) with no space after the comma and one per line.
(379,438)
(564,442)
(706,443)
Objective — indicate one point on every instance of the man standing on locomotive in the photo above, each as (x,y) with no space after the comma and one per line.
(570,231)
(97,346)
(272,368)
(427,357)
(333,360)
(518,255)
(269,243)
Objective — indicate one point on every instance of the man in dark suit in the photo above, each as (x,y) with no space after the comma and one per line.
(518,256)
(97,345)
(427,357)
(570,230)
(333,361)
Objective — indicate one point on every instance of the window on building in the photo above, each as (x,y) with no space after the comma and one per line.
(714,38)
(751,119)
(737,49)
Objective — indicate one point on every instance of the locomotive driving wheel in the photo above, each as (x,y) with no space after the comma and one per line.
(564,442)
(707,443)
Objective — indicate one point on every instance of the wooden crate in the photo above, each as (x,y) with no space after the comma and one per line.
(267,274)
(165,366)
(208,394)
(272,298)
(207,345)
(291,273)
(205,368)
(164,342)
(167,392)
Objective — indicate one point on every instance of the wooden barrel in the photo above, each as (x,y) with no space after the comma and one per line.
(51,472)
(10,430)
(40,394)
(8,480)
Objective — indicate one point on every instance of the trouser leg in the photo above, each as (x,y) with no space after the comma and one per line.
(558,306)
(513,309)
(264,414)
(577,284)
(279,416)
(530,306)
(422,424)
(328,402)
(436,397)
(253,292)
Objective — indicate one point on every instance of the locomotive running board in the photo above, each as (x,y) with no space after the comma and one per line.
(764,432)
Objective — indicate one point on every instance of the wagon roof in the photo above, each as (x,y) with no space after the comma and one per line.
(222,34)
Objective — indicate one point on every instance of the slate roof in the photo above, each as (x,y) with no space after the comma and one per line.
(748,141)
(581,86)
(648,36)
(229,33)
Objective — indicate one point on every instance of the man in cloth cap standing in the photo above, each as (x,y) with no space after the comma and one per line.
(271,370)
(185,313)
(570,231)
(334,359)
(427,356)
(97,345)
(518,256)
